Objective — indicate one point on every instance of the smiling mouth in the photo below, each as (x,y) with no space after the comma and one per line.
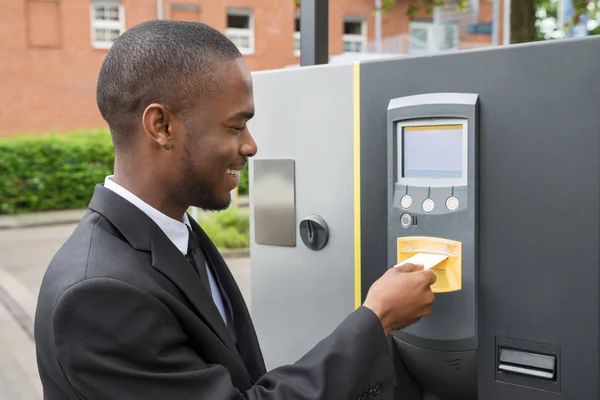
(234,172)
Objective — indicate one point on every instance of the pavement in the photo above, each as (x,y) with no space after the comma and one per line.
(66,217)
(61,217)
(26,248)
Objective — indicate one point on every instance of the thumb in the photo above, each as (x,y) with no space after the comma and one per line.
(409,267)
(432,277)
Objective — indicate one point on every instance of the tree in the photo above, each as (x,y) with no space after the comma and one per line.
(523,14)
(522,21)
(414,6)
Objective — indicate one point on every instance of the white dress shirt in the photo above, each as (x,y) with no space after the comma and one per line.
(175,230)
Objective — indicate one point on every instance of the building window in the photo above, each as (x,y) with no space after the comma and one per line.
(355,35)
(240,30)
(108,23)
(448,37)
(297,36)
(420,37)
(426,37)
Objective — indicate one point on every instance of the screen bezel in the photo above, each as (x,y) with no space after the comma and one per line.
(430,122)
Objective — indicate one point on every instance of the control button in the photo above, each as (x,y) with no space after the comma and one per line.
(406,201)
(428,205)
(452,203)
(405,220)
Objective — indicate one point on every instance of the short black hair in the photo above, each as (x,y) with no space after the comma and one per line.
(165,62)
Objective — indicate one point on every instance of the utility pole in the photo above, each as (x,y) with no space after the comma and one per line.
(496,23)
(314,32)
(160,14)
(561,17)
(377,26)
(506,38)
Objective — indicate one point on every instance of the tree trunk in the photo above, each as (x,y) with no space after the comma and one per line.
(522,21)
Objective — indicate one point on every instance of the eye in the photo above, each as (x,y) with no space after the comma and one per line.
(239,128)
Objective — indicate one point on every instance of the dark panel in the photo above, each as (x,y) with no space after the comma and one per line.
(314,28)
(539,197)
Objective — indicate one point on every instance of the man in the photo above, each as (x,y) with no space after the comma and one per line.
(138,303)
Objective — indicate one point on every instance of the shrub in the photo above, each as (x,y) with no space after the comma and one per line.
(229,229)
(57,172)
(243,186)
(52,172)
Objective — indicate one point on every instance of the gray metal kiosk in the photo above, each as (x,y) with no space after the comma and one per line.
(432,202)
(489,159)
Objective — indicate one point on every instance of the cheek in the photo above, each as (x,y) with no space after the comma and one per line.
(211,159)
(211,165)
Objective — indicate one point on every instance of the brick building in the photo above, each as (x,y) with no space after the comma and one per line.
(51,50)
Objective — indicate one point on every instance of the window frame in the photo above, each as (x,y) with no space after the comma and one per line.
(100,24)
(296,37)
(432,45)
(354,38)
(249,32)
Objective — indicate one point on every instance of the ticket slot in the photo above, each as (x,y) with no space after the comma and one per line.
(527,363)
(448,271)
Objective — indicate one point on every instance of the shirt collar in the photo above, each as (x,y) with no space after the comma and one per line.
(175,230)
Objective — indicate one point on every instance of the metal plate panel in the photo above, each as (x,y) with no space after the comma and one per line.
(274,202)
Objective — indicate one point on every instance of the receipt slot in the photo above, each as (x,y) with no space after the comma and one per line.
(432,208)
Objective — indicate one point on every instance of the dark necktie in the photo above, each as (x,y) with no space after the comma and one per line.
(196,258)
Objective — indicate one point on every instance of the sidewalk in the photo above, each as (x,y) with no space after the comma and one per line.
(50,218)
(19,377)
(44,218)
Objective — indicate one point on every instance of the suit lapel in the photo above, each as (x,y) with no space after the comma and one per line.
(171,263)
(249,348)
(144,235)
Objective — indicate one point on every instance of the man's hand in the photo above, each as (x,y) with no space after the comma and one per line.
(402,296)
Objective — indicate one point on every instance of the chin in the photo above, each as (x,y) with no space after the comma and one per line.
(215,203)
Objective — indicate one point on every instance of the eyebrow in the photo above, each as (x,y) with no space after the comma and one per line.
(242,114)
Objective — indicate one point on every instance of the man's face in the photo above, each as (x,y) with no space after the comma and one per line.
(216,141)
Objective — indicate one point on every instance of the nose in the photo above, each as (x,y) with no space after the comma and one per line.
(248,147)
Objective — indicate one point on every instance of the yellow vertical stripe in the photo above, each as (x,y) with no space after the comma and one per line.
(357,226)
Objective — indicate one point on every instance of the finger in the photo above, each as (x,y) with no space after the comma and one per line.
(431,276)
(408,267)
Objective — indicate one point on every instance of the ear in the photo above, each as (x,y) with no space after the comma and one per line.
(157,122)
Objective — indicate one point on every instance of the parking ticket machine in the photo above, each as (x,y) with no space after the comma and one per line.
(432,178)
(482,165)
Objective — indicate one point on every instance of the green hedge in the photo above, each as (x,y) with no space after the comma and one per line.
(56,172)
(229,229)
(52,172)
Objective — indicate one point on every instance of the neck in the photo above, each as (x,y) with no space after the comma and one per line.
(149,188)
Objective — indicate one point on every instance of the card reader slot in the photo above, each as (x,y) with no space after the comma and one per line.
(432,251)
(527,363)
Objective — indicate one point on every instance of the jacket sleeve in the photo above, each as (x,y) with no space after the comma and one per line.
(117,341)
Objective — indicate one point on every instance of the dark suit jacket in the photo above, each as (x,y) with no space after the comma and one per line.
(123,315)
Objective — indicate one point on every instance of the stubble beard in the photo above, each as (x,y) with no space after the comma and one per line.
(198,190)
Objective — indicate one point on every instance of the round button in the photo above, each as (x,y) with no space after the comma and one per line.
(428,205)
(452,203)
(406,201)
(405,220)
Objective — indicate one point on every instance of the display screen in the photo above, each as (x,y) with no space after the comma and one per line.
(432,151)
